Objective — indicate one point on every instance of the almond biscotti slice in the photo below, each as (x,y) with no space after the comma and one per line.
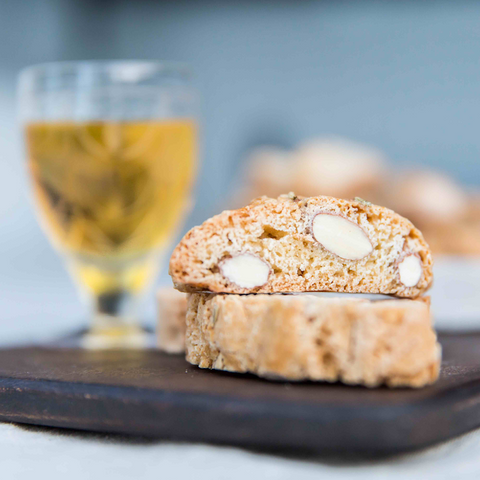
(172,310)
(294,244)
(304,337)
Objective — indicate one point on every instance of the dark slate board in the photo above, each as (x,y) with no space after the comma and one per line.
(153,394)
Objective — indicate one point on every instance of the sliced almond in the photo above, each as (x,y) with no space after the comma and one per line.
(410,270)
(245,270)
(341,236)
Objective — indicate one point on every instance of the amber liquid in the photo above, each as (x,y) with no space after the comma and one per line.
(112,194)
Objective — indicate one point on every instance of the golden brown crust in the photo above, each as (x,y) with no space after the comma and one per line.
(172,311)
(306,337)
(279,232)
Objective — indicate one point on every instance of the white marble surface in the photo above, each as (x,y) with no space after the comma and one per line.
(455,293)
(39,453)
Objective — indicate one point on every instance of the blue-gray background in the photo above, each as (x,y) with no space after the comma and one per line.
(404,76)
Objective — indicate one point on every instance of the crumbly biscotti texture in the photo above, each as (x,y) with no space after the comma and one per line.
(304,337)
(280,233)
(172,311)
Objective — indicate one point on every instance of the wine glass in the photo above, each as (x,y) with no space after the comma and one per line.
(112,151)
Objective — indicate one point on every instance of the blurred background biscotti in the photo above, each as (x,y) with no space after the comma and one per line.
(333,166)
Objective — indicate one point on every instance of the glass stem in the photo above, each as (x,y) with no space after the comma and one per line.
(119,306)
(114,291)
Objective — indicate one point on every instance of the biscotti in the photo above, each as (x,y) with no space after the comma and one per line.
(306,337)
(295,244)
(331,166)
(172,310)
(448,215)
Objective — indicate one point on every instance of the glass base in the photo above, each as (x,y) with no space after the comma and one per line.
(119,337)
(132,338)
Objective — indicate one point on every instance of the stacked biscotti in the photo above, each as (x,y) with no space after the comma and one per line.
(233,263)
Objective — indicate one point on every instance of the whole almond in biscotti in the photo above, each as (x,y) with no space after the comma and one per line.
(294,244)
